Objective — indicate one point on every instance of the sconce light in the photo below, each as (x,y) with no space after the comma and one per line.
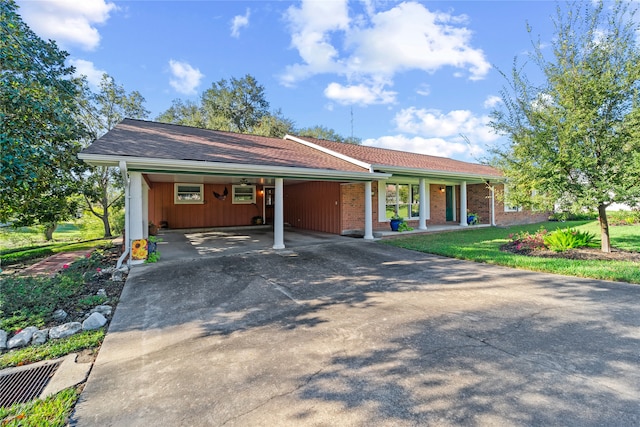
(441,189)
(261,192)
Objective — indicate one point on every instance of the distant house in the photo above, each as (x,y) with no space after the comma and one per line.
(185,177)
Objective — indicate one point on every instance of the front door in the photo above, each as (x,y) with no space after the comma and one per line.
(450,205)
(269,202)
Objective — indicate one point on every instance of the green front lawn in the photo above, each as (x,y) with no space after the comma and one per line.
(483,245)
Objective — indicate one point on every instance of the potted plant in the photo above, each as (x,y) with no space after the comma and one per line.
(153,229)
(473,218)
(395,222)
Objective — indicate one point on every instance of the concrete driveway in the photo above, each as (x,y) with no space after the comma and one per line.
(356,333)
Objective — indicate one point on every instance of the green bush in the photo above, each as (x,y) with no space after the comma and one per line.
(568,238)
(623,217)
(25,255)
(573,216)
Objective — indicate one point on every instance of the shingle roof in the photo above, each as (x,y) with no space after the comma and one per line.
(144,139)
(152,140)
(381,157)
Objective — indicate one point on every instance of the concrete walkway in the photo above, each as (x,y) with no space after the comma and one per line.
(356,333)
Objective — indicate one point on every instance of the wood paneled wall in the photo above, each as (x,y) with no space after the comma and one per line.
(213,213)
(313,206)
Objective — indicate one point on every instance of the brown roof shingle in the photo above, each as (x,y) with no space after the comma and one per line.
(144,139)
(385,157)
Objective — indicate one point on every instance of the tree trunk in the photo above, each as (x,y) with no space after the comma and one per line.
(48,230)
(604,228)
(105,215)
(107,226)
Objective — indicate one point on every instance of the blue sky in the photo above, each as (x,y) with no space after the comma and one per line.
(415,76)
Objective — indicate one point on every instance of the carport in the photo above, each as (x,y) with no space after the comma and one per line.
(208,172)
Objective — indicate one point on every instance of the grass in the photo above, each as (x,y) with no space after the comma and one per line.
(53,411)
(483,245)
(52,349)
(85,228)
(31,301)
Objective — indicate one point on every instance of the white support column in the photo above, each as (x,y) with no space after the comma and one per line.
(135,231)
(493,205)
(463,204)
(278,215)
(145,209)
(422,222)
(368,212)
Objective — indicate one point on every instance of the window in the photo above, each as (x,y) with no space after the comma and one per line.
(507,207)
(188,194)
(244,194)
(403,199)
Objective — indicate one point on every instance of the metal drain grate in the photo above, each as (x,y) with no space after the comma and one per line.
(25,384)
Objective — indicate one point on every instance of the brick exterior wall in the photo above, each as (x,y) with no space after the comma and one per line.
(513,218)
(478,202)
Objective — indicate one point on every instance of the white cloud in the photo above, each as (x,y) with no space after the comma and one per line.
(185,78)
(311,25)
(238,22)
(456,134)
(67,22)
(358,94)
(424,90)
(432,146)
(370,49)
(492,101)
(434,123)
(88,69)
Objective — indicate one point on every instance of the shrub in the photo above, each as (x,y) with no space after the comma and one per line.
(525,241)
(569,238)
(623,217)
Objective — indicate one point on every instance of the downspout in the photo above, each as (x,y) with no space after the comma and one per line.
(127,248)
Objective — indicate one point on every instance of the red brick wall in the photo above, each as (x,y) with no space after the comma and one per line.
(479,202)
(512,218)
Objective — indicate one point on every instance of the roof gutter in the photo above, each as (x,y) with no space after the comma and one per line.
(193,166)
(436,173)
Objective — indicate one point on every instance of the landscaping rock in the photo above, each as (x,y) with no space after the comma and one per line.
(117,276)
(95,321)
(3,340)
(59,315)
(22,338)
(65,330)
(105,310)
(40,337)
(101,293)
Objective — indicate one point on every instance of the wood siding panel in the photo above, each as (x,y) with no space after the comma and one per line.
(313,206)
(213,213)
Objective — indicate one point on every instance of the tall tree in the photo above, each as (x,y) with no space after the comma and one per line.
(322,132)
(574,138)
(101,186)
(237,105)
(274,125)
(186,113)
(39,136)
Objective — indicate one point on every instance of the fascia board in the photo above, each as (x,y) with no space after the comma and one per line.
(330,152)
(436,173)
(189,166)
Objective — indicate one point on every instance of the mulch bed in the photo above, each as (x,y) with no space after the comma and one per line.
(578,254)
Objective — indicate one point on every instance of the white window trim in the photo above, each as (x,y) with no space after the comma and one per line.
(504,201)
(382,199)
(187,202)
(244,187)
